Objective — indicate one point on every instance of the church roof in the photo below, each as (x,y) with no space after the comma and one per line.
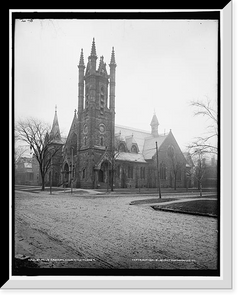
(149,148)
(144,139)
(138,135)
(133,157)
(73,126)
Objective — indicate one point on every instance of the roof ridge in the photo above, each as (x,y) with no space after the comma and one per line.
(132,128)
(155,137)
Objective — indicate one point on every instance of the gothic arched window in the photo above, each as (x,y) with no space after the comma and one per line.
(86,96)
(134,149)
(171,151)
(121,148)
(162,171)
(102,141)
(73,144)
(102,100)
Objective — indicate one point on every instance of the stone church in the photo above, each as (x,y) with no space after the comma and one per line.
(100,154)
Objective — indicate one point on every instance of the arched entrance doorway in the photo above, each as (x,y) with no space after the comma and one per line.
(103,172)
(103,175)
(66,174)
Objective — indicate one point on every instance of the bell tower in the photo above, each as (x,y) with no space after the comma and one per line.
(112,94)
(96,113)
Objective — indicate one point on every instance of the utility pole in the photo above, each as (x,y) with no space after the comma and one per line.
(51,169)
(71,171)
(157,155)
(112,167)
(108,177)
(51,177)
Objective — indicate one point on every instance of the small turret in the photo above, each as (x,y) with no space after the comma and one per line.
(154,126)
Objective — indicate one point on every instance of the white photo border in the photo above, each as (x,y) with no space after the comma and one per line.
(224,281)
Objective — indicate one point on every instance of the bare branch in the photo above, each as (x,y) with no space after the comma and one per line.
(205,109)
(204,144)
(19,152)
(36,134)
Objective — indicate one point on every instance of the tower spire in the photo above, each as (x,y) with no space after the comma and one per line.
(113,60)
(91,67)
(81,68)
(93,49)
(81,60)
(112,66)
(55,131)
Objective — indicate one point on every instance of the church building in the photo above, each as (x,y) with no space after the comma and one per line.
(100,154)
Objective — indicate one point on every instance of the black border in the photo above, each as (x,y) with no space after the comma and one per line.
(205,15)
(195,15)
(186,4)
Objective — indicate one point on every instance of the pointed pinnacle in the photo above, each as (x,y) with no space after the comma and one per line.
(55,131)
(81,60)
(93,49)
(113,61)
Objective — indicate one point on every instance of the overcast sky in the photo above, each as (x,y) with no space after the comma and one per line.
(162,65)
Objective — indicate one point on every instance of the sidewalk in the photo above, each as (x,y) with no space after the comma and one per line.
(117,191)
(186,199)
(154,190)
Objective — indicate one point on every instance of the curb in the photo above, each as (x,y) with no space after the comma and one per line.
(183,212)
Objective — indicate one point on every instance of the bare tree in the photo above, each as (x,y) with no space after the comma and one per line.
(198,171)
(207,142)
(113,155)
(35,133)
(175,164)
(19,151)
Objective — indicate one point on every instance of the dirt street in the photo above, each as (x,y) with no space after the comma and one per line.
(99,231)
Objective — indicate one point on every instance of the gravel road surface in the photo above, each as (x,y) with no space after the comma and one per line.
(99,231)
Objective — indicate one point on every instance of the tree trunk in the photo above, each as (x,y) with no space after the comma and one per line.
(175,183)
(42,182)
(112,178)
(200,189)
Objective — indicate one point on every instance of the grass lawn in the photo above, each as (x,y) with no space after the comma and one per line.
(197,207)
(166,199)
(154,200)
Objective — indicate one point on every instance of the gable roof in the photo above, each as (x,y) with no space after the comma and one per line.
(149,148)
(72,128)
